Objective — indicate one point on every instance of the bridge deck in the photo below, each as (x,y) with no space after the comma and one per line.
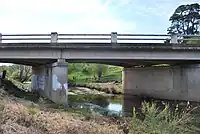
(135,46)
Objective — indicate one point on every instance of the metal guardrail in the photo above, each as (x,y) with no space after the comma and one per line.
(54,37)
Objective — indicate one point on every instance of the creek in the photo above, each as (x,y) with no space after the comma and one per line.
(98,103)
(117,105)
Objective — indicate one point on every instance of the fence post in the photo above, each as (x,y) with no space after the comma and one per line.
(113,37)
(0,38)
(174,39)
(54,37)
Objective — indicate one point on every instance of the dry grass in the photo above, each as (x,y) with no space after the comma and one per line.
(21,116)
(15,118)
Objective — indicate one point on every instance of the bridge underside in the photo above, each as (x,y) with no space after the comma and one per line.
(123,63)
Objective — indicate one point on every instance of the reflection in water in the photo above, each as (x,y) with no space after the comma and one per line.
(101,104)
(115,107)
(174,105)
(129,102)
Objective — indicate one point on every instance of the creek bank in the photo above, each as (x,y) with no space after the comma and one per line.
(19,115)
(76,90)
(109,88)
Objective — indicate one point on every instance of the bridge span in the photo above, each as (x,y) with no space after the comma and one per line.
(48,54)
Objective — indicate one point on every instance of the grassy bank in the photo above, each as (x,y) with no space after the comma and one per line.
(86,75)
(23,115)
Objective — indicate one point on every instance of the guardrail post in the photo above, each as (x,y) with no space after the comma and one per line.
(0,38)
(113,37)
(174,39)
(54,37)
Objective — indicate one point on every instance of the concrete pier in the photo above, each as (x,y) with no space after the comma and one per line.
(51,81)
(172,83)
(38,78)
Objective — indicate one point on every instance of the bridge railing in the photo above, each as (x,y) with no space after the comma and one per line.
(114,37)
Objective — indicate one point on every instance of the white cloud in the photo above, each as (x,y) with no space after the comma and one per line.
(73,6)
(66,16)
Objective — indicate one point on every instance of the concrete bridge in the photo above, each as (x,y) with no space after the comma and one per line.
(48,54)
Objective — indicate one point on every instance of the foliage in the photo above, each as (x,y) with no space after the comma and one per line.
(88,73)
(185,20)
(77,73)
(20,73)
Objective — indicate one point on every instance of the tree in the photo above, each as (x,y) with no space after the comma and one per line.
(185,20)
(101,69)
(20,73)
(24,73)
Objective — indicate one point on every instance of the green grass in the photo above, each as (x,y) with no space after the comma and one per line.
(157,121)
(89,80)
(112,76)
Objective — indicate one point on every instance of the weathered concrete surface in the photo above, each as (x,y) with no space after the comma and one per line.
(173,83)
(51,81)
(38,78)
(121,54)
(57,82)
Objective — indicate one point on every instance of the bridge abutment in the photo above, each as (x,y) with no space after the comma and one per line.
(51,81)
(172,83)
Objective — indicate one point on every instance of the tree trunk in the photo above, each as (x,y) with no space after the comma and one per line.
(21,73)
(99,66)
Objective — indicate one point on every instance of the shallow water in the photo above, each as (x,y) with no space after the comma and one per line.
(101,104)
(121,105)
(115,107)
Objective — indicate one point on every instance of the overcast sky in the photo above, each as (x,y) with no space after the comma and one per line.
(87,16)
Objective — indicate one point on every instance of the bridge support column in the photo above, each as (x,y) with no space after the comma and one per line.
(172,83)
(56,88)
(38,78)
(51,81)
